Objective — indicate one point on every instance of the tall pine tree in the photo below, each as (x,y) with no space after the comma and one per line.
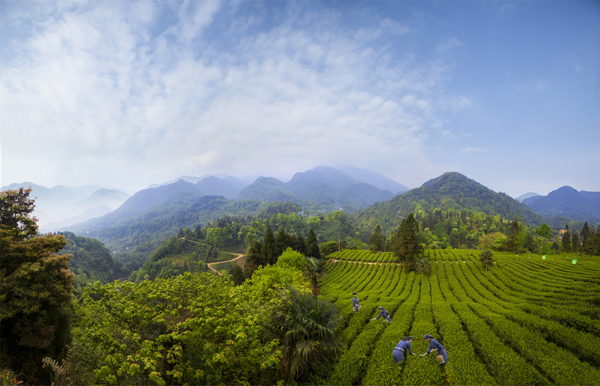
(299,245)
(253,257)
(269,252)
(282,241)
(586,240)
(575,242)
(312,246)
(406,244)
(377,240)
(566,240)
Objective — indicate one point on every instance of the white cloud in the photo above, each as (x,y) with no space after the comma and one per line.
(112,92)
(447,45)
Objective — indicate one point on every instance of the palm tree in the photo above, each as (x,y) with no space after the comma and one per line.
(315,269)
(310,335)
(486,259)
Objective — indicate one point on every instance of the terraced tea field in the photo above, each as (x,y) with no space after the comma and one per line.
(526,321)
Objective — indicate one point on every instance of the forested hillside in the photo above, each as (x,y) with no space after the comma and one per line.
(451,191)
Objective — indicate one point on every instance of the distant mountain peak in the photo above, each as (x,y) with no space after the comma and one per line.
(526,196)
(444,178)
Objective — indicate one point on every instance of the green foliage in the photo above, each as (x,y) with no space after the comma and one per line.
(265,279)
(422,266)
(269,249)
(292,260)
(315,268)
(485,258)
(310,334)
(566,240)
(312,246)
(35,288)
(406,244)
(177,256)
(91,257)
(237,275)
(377,240)
(329,247)
(192,329)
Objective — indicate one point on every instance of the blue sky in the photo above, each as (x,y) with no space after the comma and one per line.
(130,93)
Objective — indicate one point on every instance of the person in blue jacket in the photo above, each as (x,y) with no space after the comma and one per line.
(404,344)
(355,302)
(434,345)
(384,313)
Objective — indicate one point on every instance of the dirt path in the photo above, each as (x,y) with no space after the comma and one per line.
(239,256)
(211,265)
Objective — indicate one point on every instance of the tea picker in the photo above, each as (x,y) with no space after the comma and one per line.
(355,303)
(434,345)
(404,344)
(384,313)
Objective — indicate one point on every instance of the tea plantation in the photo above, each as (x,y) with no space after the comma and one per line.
(528,320)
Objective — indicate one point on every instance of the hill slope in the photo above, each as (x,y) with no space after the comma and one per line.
(450,191)
(568,202)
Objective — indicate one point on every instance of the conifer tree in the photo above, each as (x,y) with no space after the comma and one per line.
(406,244)
(312,246)
(253,257)
(575,242)
(268,250)
(377,240)
(566,240)
(299,245)
(585,239)
(282,241)
(237,275)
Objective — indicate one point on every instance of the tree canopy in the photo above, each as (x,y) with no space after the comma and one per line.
(35,286)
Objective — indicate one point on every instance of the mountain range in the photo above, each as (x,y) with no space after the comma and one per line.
(322,189)
(567,202)
(325,188)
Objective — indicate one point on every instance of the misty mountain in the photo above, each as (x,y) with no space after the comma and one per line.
(100,198)
(323,186)
(568,202)
(449,191)
(68,222)
(372,178)
(190,179)
(263,187)
(526,195)
(228,187)
(55,204)
(141,202)
(244,181)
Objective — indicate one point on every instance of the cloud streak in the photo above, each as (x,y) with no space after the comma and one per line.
(112,92)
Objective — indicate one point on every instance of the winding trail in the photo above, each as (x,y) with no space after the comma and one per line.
(211,265)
